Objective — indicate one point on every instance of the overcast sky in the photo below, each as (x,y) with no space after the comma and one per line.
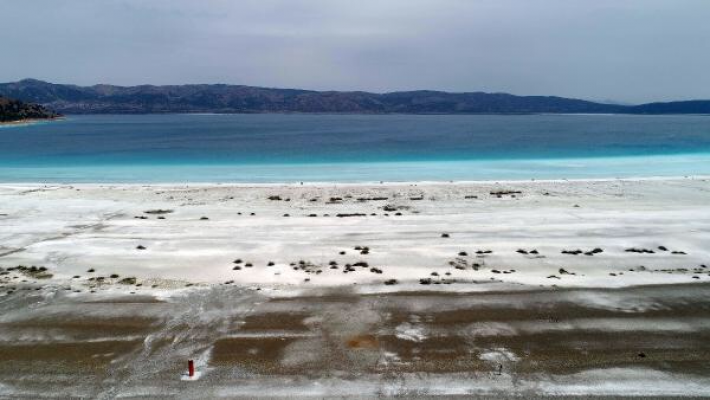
(622,50)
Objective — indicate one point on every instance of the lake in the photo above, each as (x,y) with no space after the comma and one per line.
(263,148)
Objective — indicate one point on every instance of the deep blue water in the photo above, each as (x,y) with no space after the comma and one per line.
(278,148)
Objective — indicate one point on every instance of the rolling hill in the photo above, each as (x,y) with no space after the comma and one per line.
(220,98)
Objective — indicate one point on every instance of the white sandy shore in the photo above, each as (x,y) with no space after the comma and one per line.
(307,335)
(70,229)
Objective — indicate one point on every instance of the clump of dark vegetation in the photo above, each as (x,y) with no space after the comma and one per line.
(15,110)
(33,271)
(572,252)
(128,281)
(577,252)
(158,211)
(501,193)
(637,250)
(371,198)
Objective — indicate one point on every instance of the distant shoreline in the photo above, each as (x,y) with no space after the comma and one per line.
(349,113)
(30,121)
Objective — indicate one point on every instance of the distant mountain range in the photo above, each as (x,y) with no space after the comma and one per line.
(12,110)
(109,99)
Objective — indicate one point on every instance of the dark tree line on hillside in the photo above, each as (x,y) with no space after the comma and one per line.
(15,110)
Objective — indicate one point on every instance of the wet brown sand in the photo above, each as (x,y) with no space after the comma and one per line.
(250,343)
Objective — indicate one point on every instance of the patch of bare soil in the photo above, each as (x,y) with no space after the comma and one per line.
(257,354)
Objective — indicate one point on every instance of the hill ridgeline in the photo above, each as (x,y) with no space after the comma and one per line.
(219,98)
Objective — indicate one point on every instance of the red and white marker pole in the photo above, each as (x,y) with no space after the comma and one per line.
(190,368)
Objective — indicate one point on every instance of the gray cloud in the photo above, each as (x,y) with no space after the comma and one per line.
(626,50)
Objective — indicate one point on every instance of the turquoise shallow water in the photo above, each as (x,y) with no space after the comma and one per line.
(351,148)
